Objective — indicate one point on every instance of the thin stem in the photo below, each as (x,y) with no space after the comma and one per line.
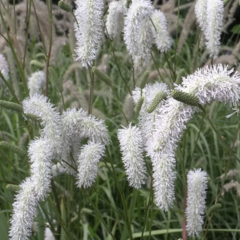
(50,44)
(91,91)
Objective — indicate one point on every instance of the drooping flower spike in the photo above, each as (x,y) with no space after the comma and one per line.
(207,84)
(131,146)
(36,82)
(89,30)
(196,201)
(116,12)
(4,69)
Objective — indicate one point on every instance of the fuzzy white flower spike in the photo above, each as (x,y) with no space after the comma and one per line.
(132,155)
(36,82)
(197,185)
(90,154)
(116,12)
(4,69)
(24,209)
(89,29)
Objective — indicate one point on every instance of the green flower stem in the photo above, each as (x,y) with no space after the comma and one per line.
(121,194)
(91,91)
(22,74)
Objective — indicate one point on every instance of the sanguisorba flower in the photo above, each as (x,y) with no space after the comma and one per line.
(88,159)
(197,185)
(201,13)
(88,30)
(116,12)
(4,69)
(131,146)
(138,34)
(215,9)
(162,38)
(50,119)
(24,209)
(36,82)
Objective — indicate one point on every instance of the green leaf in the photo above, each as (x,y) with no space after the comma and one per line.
(236,29)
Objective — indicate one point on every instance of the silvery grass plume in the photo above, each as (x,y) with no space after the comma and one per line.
(4,69)
(78,125)
(138,35)
(50,119)
(40,154)
(36,82)
(89,29)
(197,185)
(131,146)
(162,38)
(207,84)
(210,18)
(116,12)
(147,120)
(24,209)
(88,159)
(215,9)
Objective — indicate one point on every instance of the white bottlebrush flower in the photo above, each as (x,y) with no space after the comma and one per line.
(89,29)
(197,185)
(116,12)
(40,157)
(4,69)
(215,9)
(164,176)
(78,124)
(36,82)
(131,146)
(88,159)
(162,38)
(138,34)
(147,120)
(48,235)
(40,106)
(24,209)
(201,13)
(213,83)
(207,84)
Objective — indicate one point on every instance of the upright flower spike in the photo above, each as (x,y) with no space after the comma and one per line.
(24,209)
(89,29)
(197,185)
(40,106)
(116,12)
(4,69)
(90,154)
(36,82)
(138,34)
(132,155)
(162,38)
(215,9)
(40,157)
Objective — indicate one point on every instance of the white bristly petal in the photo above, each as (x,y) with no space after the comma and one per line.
(197,185)
(24,209)
(48,235)
(132,155)
(36,82)
(90,154)
(116,12)
(89,29)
